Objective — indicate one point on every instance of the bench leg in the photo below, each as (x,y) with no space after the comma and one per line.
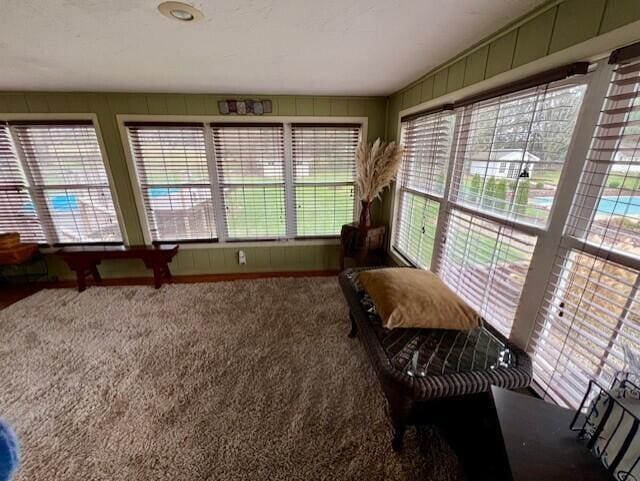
(398,437)
(354,327)
(96,274)
(81,279)
(399,410)
(157,276)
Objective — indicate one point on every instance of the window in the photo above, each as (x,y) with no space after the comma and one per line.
(56,175)
(250,165)
(324,174)
(590,311)
(504,145)
(504,155)
(244,181)
(512,148)
(171,162)
(17,211)
(427,143)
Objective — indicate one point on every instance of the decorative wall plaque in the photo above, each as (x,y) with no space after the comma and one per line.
(244,107)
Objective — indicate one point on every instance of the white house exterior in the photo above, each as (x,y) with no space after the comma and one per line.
(504,164)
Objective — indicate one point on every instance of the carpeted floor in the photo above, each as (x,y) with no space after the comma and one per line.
(247,380)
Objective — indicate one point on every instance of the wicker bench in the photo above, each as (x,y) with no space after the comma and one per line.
(416,367)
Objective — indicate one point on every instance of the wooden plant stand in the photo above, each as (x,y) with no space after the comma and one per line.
(360,243)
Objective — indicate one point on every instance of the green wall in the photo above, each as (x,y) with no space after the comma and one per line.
(202,260)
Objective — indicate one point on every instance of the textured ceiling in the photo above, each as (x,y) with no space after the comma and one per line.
(348,47)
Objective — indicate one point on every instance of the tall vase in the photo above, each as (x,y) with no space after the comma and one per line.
(365,214)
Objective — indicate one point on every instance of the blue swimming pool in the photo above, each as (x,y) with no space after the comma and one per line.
(609,204)
(69,202)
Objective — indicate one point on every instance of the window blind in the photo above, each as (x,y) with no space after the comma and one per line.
(251,176)
(69,181)
(323,174)
(511,150)
(415,228)
(17,211)
(486,264)
(606,209)
(590,310)
(171,162)
(427,141)
(427,145)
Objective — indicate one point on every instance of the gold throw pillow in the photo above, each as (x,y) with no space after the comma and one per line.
(416,298)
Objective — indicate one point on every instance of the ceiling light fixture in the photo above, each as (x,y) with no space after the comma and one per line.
(180,11)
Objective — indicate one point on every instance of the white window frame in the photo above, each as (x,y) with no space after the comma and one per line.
(549,235)
(222,242)
(51,236)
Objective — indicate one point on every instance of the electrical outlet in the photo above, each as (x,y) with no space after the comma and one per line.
(242,258)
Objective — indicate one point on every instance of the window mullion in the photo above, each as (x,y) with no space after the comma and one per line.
(289,185)
(216,191)
(35,192)
(546,249)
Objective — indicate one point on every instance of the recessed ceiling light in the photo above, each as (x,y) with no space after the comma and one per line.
(180,11)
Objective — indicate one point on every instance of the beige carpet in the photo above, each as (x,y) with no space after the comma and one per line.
(247,380)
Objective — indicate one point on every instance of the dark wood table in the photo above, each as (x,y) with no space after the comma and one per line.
(360,243)
(538,442)
(84,260)
(517,437)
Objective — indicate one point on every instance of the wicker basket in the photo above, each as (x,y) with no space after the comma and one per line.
(9,240)
(18,255)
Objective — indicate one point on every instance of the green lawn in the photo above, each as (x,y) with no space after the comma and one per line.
(419,243)
(260,211)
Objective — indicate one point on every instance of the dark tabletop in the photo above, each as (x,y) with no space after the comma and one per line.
(539,443)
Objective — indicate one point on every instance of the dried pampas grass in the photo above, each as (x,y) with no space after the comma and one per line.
(376,167)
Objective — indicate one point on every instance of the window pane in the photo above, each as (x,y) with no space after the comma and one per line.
(321,210)
(82,215)
(486,264)
(250,164)
(17,211)
(71,187)
(512,149)
(427,145)
(589,313)
(607,204)
(172,168)
(179,213)
(254,212)
(415,228)
(323,174)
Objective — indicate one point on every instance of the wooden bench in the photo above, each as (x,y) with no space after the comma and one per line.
(84,260)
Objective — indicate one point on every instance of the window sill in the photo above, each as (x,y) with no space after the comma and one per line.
(265,243)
